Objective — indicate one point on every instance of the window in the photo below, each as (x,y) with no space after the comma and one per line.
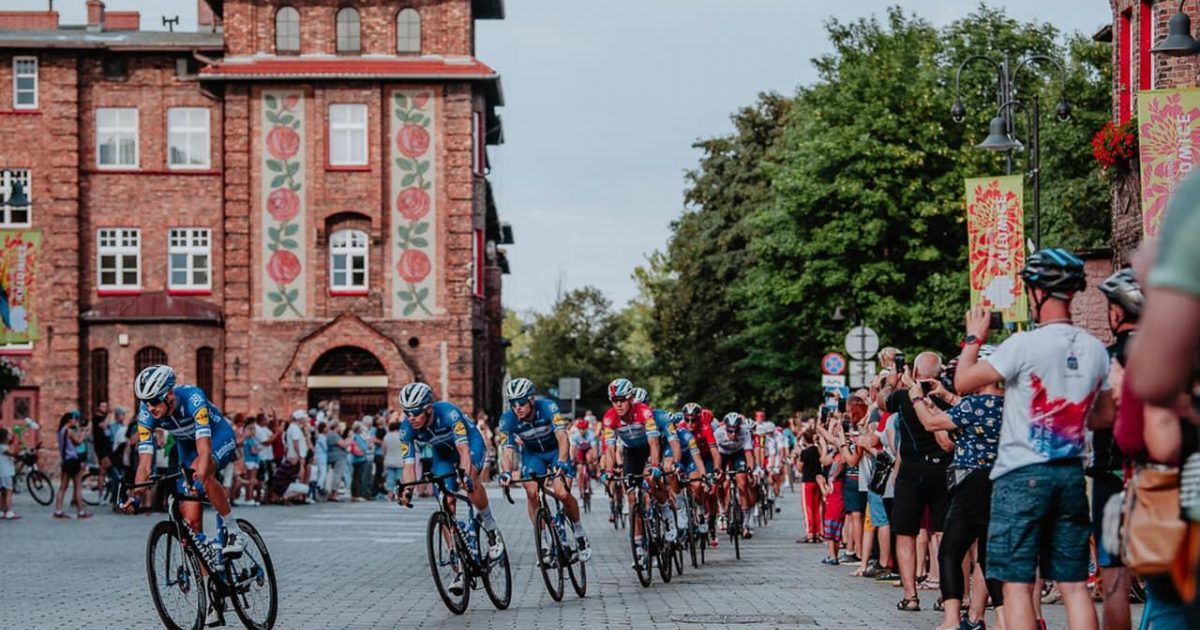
(187,137)
(1124,67)
(408,31)
(348,261)
(119,254)
(287,30)
(478,261)
(98,371)
(204,370)
(347,135)
(189,252)
(115,68)
(148,356)
(479,155)
(348,39)
(25,82)
(11,181)
(1145,35)
(116,137)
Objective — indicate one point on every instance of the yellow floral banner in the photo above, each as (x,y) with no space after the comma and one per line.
(1169,148)
(19,256)
(995,245)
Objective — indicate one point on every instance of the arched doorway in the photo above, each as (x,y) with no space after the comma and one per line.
(353,377)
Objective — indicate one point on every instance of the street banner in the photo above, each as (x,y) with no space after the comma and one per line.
(18,278)
(996,245)
(1169,148)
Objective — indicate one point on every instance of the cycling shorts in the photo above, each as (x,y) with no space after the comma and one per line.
(441,465)
(733,461)
(224,447)
(636,458)
(540,463)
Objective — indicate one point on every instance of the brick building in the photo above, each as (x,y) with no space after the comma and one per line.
(289,205)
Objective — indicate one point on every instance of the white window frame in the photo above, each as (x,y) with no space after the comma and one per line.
(118,242)
(119,129)
(352,30)
(195,138)
(17,61)
(190,243)
(345,121)
(406,41)
(7,177)
(351,244)
(287,35)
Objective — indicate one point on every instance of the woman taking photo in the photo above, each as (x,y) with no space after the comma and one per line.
(69,440)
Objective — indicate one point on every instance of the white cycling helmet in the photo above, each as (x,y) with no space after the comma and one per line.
(415,397)
(519,389)
(620,388)
(153,383)
(641,395)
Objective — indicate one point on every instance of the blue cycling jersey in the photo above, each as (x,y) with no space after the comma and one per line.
(443,433)
(193,416)
(687,444)
(537,434)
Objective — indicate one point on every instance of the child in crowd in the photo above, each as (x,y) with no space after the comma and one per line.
(8,470)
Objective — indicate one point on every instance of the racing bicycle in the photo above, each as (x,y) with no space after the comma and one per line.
(557,545)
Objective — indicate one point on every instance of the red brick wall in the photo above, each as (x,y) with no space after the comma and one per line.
(1089,310)
(29,20)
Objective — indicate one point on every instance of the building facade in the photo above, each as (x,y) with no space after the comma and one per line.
(289,205)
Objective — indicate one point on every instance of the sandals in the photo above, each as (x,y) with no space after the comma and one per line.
(939,605)
(909,604)
(929,585)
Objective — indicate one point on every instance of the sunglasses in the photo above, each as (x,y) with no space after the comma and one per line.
(156,401)
(518,402)
(416,412)
(622,399)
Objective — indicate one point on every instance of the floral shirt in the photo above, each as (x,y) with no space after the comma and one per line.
(978,419)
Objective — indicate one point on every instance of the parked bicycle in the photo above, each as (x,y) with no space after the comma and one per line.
(97,490)
(454,550)
(185,578)
(557,544)
(36,481)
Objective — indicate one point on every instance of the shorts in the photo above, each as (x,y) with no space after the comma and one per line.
(879,517)
(683,461)
(733,461)
(71,467)
(855,499)
(535,463)
(1104,486)
(224,447)
(835,513)
(921,488)
(635,459)
(441,465)
(6,482)
(1039,521)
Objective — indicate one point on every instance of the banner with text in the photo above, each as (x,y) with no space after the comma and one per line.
(18,277)
(1169,147)
(995,244)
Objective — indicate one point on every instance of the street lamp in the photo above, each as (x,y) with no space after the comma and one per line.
(1179,41)
(1000,130)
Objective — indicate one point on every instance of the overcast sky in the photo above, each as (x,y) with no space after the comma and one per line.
(604,100)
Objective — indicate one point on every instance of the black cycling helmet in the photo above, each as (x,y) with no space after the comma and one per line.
(1123,289)
(1056,271)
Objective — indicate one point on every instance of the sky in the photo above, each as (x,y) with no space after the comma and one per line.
(604,100)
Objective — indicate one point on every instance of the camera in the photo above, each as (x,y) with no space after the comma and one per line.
(899,360)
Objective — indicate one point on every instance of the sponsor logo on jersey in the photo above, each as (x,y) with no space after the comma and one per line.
(460,428)
(503,439)
(403,449)
(143,433)
(196,399)
(202,416)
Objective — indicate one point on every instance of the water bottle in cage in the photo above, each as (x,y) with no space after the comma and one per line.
(469,535)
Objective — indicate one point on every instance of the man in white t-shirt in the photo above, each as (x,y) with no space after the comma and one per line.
(1056,387)
(297,446)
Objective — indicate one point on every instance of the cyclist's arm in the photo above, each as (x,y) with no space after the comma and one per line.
(564,446)
(203,463)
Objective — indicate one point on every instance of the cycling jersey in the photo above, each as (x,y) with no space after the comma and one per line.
(634,431)
(690,451)
(729,444)
(192,417)
(702,429)
(443,433)
(583,441)
(538,434)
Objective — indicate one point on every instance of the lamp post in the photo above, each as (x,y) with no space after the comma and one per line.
(1000,130)
(1179,41)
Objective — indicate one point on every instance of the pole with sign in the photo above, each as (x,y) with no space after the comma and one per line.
(569,388)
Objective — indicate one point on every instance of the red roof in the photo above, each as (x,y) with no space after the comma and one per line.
(348,67)
(153,306)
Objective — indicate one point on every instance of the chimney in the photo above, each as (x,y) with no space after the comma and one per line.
(95,16)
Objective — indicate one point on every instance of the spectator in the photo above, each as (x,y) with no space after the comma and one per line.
(1055,387)
(360,461)
(121,438)
(810,469)
(921,475)
(251,461)
(831,485)
(378,433)
(485,429)
(393,456)
(338,447)
(70,439)
(320,470)
(8,470)
(265,436)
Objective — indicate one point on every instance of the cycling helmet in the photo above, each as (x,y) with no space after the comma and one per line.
(1056,271)
(1123,289)
(153,383)
(641,395)
(765,428)
(691,410)
(677,417)
(519,389)
(732,419)
(581,424)
(414,397)
(620,388)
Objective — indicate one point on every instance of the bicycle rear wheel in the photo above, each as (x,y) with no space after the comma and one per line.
(446,563)
(550,556)
(251,582)
(735,530)
(176,584)
(497,575)
(40,487)
(92,488)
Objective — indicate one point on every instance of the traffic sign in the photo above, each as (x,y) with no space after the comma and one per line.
(861,373)
(862,343)
(833,363)
(568,388)
(833,380)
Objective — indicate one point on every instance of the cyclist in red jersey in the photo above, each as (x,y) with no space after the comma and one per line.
(700,422)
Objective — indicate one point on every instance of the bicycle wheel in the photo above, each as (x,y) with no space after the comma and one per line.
(251,581)
(735,530)
(576,568)
(176,584)
(92,488)
(497,575)
(40,487)
(446,563)
(644,568)
(550,556)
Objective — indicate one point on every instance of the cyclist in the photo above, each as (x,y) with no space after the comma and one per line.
(735,453)
(204,441)
(668,445)
(633,423)
(769,454)
(583,453)
(457,447)
(700,422)
(685,453)
(542,429)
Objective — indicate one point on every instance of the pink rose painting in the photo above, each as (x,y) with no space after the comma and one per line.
(283,180)
(414,245)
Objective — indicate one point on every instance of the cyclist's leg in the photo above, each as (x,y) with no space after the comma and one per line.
(533,463)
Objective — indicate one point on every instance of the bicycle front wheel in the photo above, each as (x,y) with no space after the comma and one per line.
(176,584)
(497,574)
(40,487)
(645,570)
(446,563)
(92,488)
(550,555)
(251,580)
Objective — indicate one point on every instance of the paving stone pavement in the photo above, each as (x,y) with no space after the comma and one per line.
(363,565)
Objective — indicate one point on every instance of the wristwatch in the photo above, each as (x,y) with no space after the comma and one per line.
(971,340)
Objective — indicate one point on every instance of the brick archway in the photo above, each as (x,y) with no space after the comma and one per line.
(348,330)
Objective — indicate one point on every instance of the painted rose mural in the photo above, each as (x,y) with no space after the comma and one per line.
(283,216)
(414,204)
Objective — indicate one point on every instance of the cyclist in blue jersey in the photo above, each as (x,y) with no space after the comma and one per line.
(458,449)
(204,441)
(543,432)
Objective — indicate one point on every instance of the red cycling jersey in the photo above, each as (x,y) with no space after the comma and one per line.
(703,432)
(634,431)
